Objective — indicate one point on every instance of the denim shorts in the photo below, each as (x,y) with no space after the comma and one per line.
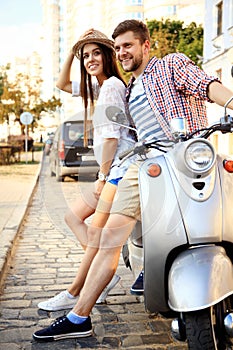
(115,181)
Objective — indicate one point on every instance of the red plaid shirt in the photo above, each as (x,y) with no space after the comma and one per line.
(176,87)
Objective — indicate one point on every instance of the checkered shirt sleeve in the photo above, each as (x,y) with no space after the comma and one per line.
(177,88)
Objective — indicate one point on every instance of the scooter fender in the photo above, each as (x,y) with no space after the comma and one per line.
(199,277)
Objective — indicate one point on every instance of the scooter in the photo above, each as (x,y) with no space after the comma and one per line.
(185,238)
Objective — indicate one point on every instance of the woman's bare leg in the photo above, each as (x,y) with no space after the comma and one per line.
(93,236)
(82,208)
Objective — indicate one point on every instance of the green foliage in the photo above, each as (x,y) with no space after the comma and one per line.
(172,36)
(191,42)
(22,95)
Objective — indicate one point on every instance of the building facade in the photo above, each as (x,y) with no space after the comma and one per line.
(218,56)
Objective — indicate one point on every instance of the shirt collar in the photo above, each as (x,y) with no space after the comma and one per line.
(151,64)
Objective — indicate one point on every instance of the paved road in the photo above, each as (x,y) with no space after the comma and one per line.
(46,257)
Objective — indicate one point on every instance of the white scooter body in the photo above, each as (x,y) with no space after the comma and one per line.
(185,219)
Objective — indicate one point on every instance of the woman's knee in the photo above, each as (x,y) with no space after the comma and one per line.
(93,236)
(73,218)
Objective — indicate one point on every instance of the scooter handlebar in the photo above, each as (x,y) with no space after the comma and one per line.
(126,153)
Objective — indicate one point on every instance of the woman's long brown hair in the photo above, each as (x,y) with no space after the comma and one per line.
(110,69)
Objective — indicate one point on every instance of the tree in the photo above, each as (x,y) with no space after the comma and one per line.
(172,36)
(22,95)
(191,42)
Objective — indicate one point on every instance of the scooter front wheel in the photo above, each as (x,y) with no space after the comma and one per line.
(205,328)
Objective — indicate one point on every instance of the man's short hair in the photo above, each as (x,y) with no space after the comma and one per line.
(139,29)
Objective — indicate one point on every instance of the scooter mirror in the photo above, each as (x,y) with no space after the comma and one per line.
(178,127)
(116,115)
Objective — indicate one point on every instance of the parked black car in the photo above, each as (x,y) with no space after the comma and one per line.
(68,156)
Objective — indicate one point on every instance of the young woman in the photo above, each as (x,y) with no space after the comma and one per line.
(97,59)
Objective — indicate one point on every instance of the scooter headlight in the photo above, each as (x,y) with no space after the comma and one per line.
(199,156)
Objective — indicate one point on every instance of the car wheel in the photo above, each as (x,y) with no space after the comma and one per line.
(52,173)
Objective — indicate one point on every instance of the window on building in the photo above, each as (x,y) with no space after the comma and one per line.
(219,17)
(171,10)
(133,2)
(135,15)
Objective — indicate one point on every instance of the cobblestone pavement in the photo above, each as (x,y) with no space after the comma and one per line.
(46,259)
(17,184)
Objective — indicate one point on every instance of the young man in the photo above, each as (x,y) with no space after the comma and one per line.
(160,90)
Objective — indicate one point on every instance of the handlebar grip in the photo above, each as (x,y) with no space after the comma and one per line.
(125,153)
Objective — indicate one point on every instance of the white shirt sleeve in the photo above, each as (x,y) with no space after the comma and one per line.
(112,93)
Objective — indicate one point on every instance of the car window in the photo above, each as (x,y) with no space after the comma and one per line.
(73,131)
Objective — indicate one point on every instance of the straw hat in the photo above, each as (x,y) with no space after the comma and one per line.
(92,36)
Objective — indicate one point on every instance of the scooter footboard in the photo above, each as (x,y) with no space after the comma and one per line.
(199,277)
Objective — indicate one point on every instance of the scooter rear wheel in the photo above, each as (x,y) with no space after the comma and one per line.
(205,328)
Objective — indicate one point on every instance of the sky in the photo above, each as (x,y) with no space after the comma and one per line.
(20,22)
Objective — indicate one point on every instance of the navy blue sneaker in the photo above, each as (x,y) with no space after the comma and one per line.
(137,288)
(62,328)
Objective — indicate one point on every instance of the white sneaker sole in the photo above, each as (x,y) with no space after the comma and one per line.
(63,336)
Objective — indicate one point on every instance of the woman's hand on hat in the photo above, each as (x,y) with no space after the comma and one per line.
(82,37)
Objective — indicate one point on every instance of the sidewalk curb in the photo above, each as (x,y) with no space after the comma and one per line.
(9,234)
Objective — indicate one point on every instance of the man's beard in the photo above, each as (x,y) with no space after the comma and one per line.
(136,62)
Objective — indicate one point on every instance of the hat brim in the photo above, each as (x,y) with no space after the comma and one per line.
(79,45)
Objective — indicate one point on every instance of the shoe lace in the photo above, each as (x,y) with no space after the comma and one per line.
(58,320)
(55,298)
(141,274)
